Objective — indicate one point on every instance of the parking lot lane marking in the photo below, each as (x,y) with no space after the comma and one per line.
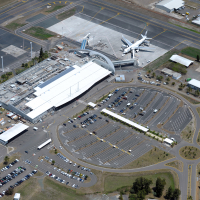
(113,158)
(100,152)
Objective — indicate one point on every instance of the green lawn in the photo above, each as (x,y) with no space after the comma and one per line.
(191,51)
(14,25)
(66,14)
(161,60)
(113,183)
(40,33)
(54,8)
(150,158)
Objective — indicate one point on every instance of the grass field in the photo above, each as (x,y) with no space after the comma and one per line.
(191,51)
(176,164)
(189,152)
(161,60)
(14,25)
(198,139)
(198,110)
(113,183)
(188,132)
(31,190)
(66,14)
(186,28)
(54,8)
(12,158)
(150,158)
(40,33)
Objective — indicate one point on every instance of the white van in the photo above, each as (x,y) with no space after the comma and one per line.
(128,104)
(35,128)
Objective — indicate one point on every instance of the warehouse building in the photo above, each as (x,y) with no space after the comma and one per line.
(194,84)
(12,133)
(170,5)
(181,60)
(171,73)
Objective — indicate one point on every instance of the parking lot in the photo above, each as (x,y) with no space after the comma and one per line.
(102,141)
(14,174)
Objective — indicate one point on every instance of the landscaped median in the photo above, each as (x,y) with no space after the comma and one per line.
(136,126)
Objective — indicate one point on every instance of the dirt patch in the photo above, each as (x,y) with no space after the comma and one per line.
(152,157)
(190,152)
(176,164)
(189,131)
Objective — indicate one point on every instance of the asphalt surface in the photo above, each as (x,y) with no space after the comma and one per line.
(162,34)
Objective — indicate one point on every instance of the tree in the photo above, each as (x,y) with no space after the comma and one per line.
(53,162)
(176,194)
(160,184)
(41,53)
(56,151)
(141,186)
(23,65)
(132,197)
(86,177)
(197,58)
(10,191)
(6,159)
(169,193)
(173,83)
(197,93)
(153,74)
(168,79)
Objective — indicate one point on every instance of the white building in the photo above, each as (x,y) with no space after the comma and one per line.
(196,21)
(17,196)
(194,84)
(12,133)
(170,5)
(181,60)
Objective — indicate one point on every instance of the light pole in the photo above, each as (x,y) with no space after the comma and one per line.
(31,49)
(2,63)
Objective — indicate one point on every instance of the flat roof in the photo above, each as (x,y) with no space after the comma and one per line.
(194,82)
(92,104)
(168,141)
(171,4)
(183,61)
(12,132)
(125,120)
(65,88)
(196,21)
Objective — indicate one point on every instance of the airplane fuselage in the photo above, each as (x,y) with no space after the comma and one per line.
(135,45)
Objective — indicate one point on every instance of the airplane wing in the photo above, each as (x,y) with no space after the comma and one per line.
(126,41)
(146,48)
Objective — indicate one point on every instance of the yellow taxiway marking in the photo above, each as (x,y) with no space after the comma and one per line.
(158,34)
(112,9)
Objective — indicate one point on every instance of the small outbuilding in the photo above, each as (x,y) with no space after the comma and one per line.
(17,196)
(170,5)
(168,141)
(93,105)
(171,73)
(196,21)
(181,60)
(194,84)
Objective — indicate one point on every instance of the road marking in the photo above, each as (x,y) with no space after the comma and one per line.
(112,9)
(158,34)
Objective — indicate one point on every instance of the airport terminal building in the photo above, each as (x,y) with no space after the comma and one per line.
(47,86)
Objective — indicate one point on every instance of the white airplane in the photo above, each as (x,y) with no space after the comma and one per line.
(135,46)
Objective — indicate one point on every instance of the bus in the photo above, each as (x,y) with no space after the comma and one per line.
(44,144)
